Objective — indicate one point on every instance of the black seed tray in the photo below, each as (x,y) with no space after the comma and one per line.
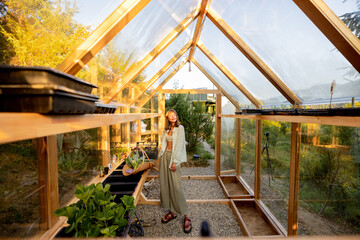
(46,101)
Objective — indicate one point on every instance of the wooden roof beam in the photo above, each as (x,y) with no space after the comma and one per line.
(138,67)
(253,57)
(333,28)
(142,103)
(161,72)
(217,85)
(106,31)
(199,25)
(227,73)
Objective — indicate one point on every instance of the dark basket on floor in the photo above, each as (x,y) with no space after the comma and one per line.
(151,149)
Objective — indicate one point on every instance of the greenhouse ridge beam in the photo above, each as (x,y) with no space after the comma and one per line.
(199,25)
(227,73)
(333,28)
(217,85)
(137,68)
(142,103)
(162,71)
(253,57)
(102,35)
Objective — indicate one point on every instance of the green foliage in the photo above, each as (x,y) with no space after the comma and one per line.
(134,160)
(120,151)
(96,214)
(197,123)
(40,32)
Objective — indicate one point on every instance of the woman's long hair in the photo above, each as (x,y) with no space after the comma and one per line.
(167,122)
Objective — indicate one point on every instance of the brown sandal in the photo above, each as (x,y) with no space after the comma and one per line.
(187,225)
(168,217)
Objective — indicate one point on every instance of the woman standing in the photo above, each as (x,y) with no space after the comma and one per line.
(172,153)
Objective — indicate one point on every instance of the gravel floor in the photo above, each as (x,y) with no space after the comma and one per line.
(193,189)
(220,218)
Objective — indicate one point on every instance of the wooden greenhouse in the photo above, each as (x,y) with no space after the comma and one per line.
(284,76)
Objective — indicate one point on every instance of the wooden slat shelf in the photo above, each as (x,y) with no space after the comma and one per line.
(22,126)
(325,120)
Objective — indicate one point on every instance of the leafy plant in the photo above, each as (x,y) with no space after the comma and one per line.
(96,213)
(135,161)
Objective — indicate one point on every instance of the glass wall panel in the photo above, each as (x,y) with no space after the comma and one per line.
(19,190)
(275,163)
(221,79)
(226,106)
(228,144)
(293,47)
(239,65)
(79,160)
(329,202)
(247,157)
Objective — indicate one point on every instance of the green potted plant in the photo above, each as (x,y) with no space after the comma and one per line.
(96,214)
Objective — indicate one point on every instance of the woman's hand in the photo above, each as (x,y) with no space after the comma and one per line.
(173,167)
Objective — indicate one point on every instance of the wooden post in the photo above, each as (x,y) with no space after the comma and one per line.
(48,180)
(138,130)
(238,145)
(94,76)
(258,159)
(218,135)
(161,103)
(104,144)
(117,127)
(127,131)
(152,121)
(294,179)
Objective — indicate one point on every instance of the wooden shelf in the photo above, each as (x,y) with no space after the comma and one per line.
(21,126)
(325,120)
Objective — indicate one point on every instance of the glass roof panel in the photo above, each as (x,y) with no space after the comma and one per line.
(185,79)
(162,78)
(342,7)
(348,12)
(252,79)
(150,26)
(93,12)
(166,55)
(170,70)
(221,79)
(141,81)
(292,46)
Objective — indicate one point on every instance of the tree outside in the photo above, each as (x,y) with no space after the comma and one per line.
(198,124)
